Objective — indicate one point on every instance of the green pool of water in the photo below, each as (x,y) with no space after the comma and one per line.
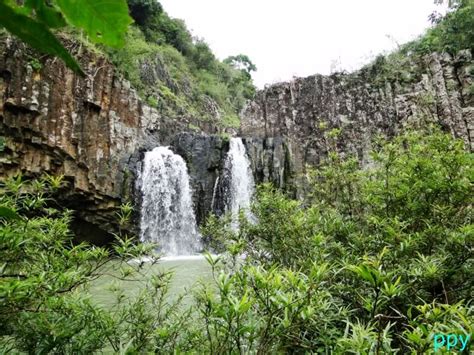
(187,274)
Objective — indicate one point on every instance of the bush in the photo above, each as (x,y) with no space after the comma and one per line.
(44,279)
(202,57)
(451,34)
(384,255)
(143,11)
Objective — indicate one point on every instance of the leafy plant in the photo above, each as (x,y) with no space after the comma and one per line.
(34,20)
(45,278)
(387,250)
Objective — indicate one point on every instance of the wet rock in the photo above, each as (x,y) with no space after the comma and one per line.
(204,155)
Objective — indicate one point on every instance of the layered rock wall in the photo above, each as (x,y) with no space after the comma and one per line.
(205,156)
(303,113)
(93,130)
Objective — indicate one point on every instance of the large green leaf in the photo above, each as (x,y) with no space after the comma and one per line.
(46,13)
(35,34)
(105,21)
(8,213)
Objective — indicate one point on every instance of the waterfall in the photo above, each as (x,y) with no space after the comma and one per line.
(167,216)
(238,180)
(214,193)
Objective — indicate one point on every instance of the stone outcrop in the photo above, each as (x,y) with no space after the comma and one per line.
(272,160)
(94,130)
(303,113)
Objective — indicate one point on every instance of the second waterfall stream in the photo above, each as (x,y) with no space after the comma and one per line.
(238,180)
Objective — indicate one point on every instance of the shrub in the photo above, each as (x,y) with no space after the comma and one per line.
(451,34)
(391,247)
(44,279)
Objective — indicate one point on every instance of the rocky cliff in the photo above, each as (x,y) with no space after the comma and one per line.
(289,125)
(92,129)
(95,129)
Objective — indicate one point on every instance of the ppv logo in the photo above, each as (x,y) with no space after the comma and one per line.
(451,341)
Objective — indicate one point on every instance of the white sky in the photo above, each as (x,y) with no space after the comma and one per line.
(302,37)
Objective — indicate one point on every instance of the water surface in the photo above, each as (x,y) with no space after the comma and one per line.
(188,273)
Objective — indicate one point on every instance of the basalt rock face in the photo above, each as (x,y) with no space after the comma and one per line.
(272,160)
(95,130)
(92,129)
(303,113)
(205,157)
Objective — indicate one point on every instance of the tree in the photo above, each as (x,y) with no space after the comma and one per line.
(34,21)
(144,10)
(202,55)
(241,62)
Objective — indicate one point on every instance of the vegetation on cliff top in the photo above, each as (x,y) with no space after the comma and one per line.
(178,73)
(451,34)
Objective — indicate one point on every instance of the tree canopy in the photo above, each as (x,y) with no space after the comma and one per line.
(242,62)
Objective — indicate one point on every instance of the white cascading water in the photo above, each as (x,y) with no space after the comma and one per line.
(167,216)
(240,183)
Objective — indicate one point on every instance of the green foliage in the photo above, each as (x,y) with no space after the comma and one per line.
(384,254)
(104,22)
(125,213)
(241,62)
(144,10)
(396,67)
(202,56)
(258,310)
(35,33)
(377,260)
(32,22)
(152,101)
(452,33)
(162,59)
(231,121)
(45,277)
(35,64)
(193,127)
(129,58)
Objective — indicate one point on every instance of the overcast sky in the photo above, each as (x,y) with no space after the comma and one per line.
(302,37)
